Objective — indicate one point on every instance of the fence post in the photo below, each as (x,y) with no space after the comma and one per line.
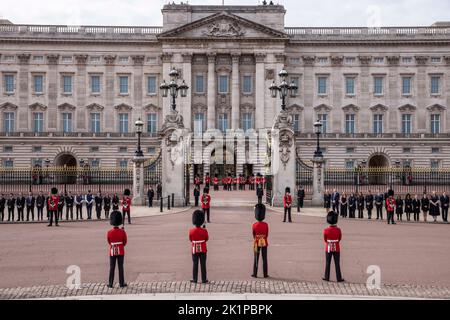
(173,199)
(168,202)
(161,204)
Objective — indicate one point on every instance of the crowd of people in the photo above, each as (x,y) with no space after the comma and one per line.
(413,206)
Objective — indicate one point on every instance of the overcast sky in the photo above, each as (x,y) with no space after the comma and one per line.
(299,12)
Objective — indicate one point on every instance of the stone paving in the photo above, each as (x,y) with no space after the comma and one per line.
(255,287)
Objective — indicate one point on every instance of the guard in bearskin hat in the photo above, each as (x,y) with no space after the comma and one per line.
(117,240)
(52,205)
(332,236)
(287,203)
(260,241)
(198,237)
(126,205)
(216,183)
(205,199)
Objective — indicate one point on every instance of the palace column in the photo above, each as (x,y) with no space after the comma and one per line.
(186,103)
(81,91)
(235,92)
(422,88)
(52,90)
(108,114)
(24,60)
(260,90)
(211,102)
(138,74)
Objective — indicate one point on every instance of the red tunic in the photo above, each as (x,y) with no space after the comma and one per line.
(53,203)
(260,234)
(207,179)
(198,236)
(206,201)
(258,180)
(229,180)
(390,203)
(287,201)
(216,181)
(332,235)
(126,204)
(197,181)
(117,239)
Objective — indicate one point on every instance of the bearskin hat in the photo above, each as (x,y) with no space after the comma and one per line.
(54,191)
(332,217)
(115,219)
(205,190)
(127,192)
(287,190)
(390,193)
(260,212)
(198,218)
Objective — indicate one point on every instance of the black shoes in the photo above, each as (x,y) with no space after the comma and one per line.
(341,280)
(325,279)
(254,276)
(124,285)
(266,276)
(206,281)
(193,281)
(110,286)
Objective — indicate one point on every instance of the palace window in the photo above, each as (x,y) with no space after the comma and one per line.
(38,83)
(247,122)
(123,164)
(66,59)
(435,84)
(350,60)
(378,124)
(435,123)
(9,163)
(67,84)
(8,149)
(435,59)
(296,122)
(406,124)
(95,122)
(435,150)
(95,84)
(247,85)
(323,118)
(223,122)
(350,150)
(151,151)
(8,122)
(435,164)
(407,150)
(67,122)
(123,84)
(38,122)
(378,85)
(9,83)
(198,123)
(38,58)
(123,149)
(407,60)
(123,59)
(223,84)
(378,60)
(151,85)
(94,59)
(199,84)
(37,149)
(123,122)
(349,123)
(9,58)
(296,81)
(349,164)
(37,162)
(322,85)
(95,163)
(94,149)
(152,124)
(350,86)
(322,60)
(406,85)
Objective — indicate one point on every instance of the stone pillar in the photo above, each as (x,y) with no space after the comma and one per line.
(308,90)
(80,86)
(235,92)
(22,85)
(422,93)
(138,181)
(390,122)
(187,102)
(318,181)
(259,91)
(167,65)
(108,114)
(52,90)
(211,112)
(138,62)
(283,157)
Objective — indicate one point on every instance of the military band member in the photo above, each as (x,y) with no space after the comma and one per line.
(126,205)
(425,202)
(40,203)
(416,207)
(434,206)
(445,201)
(300,197)
(61,203)
(390,208)
(197,180)
(207,180)
(196,195)
(150,196)
(30,202)
(216,183)
(386,196)
(115,202)
(205,199)
(11,204)
(107,205)
(235,183)
(343,202)
(260,231)
(335,201)
(198,237)
(70,200)
(258,180)
(53,202)
(20,205)
(360,205)
(369,204)
(332,237)
(251,182)
(89,199)
(287,204)
(98,205)
(117,240)
(408,206)
(230,183)
(327,201)
(2,206)
(399,207)
(379,204)
(79,199)
(243,181)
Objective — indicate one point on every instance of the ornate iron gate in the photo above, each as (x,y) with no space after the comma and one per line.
(269,184)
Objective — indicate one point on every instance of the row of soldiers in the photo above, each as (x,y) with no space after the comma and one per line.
(67,203)
(230,182)
(347,205)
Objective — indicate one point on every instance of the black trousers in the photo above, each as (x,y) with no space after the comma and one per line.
(69,209)
(416,216)
(360,213)
(20,214)
(10,214)
(2,213)
(112,269)
(352,212)
(337,257)
(206,211)
(369,212)
(259,199)
(99,212)
(107,212)
(196,201)
(89,211)
(216,187)
(79,210)
(335,207)
(287,211)
(379,212)
(390,217)
(196,257)
(445,214)
(60,213)
(263,251)
(40,213)
(124,213)
(150,202)
(30,209)
(51,214)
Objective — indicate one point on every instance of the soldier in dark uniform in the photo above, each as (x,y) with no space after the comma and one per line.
(53,205)
(79,199)
(332,237)
(416,207)
(40,204)
(351,206)
(327,201)
(198,236)
(259,192)
(425,202)
(399,207)
(150,196)
(98,205)
(2,206)
(360,204)
(117,240)
(89,203)
(369,204)
(445,201)
(11,203)
(207,180)
(434,206)
(196,195)
(300,197)
(30,202)
(107,205)
(115,202)
(61,203)
(408,206)
(20,204)
(344,205)
(379,204)
(69,205)
(260,240)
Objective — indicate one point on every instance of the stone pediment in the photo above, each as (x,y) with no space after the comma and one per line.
(222,26)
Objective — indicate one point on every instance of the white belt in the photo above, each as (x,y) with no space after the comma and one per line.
(116,243)
(200,241)
(331,247)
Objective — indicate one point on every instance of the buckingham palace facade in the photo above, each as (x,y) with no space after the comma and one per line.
(71,93)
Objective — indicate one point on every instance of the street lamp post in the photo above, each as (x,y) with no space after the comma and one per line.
(318,131)
(47,164)
(318,169)
(139,126)
(284,88)
(173,88)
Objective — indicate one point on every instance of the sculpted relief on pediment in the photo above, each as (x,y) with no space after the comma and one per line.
(223,28)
